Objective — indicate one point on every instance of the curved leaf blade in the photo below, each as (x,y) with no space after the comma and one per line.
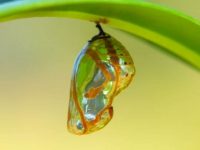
(172,30)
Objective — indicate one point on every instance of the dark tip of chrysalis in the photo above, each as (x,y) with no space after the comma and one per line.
(101,34)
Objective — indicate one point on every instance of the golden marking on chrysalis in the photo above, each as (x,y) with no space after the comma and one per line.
(102,70)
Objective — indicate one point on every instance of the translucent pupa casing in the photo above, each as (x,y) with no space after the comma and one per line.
(101,71)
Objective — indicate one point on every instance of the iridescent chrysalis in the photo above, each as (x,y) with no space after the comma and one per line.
(103,68)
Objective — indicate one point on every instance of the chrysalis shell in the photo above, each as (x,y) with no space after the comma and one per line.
(103,68)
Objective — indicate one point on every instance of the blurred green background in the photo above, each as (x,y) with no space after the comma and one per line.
(158,111)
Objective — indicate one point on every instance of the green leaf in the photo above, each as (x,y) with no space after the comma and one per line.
(172,30)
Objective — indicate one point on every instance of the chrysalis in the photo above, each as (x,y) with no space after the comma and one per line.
(103,68)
